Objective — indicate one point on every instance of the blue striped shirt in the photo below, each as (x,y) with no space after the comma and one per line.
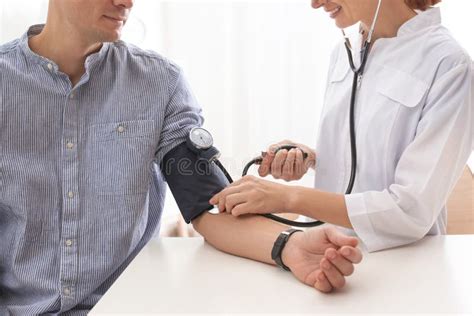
(80,190)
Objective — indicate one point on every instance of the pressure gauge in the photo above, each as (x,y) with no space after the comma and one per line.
(200,139)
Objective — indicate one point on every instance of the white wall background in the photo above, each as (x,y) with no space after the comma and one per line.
(257,67)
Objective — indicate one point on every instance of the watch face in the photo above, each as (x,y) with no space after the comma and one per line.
(201,138)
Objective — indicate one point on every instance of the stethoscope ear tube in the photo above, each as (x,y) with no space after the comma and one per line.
(358,73)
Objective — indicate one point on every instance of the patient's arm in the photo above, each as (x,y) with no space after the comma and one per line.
(306,254)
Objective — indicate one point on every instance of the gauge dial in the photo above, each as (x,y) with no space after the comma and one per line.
(200,138)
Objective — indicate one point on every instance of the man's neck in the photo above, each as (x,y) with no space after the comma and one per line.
(66,48)
(390,19)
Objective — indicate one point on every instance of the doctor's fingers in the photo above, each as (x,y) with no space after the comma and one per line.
(300,165)
(288,171)
(278,162)
(244,208)
(225,195)
(220,198)
(266,165)
(233,200)
(339,262)
(231,188)
(333,275)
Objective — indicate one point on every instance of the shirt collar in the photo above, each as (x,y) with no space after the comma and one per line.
(423,20)
(45,62)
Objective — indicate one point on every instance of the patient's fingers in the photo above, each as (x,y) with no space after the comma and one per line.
(341,263)
(352,254)
(338,238)
(322,284)
(333,275)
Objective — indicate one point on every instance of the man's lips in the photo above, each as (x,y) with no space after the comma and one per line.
(116,19)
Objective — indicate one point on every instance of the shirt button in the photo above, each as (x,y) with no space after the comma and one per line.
(50,66)
(120,129)
(69,242)
(72,95)
(69,145)
(70,194)
(67,291)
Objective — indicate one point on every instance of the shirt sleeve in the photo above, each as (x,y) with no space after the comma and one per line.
(181,115)
(426,172)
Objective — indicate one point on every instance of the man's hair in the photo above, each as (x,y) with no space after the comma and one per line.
(421,4)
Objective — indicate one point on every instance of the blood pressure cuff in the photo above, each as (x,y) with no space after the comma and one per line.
(192,180)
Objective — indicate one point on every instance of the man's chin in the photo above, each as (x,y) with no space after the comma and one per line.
(111,39)
(110,36)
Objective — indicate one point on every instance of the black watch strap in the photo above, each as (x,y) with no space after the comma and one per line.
(279,245)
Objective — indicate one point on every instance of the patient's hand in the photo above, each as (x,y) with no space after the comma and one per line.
(322,257)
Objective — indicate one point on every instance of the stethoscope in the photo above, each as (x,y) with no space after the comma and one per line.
(199,134)
(358,73)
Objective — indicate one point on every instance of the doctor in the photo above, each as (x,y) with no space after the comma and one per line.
(413,130)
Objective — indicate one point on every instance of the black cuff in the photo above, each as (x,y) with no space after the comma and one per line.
(193,181)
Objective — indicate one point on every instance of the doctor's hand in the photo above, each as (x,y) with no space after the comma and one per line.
(252,195)
(287,165)
(322,257)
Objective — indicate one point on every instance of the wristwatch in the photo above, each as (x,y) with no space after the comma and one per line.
(279,245)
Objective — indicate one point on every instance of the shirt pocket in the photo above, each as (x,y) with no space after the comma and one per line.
(9,231)
(122,159)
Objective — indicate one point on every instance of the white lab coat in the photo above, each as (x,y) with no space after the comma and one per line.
(414,116)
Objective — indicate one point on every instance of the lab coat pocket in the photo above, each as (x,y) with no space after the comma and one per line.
(122,157)
(401,87)
(391,117)
(398,106)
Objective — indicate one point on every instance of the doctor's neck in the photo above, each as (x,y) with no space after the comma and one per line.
(392,15)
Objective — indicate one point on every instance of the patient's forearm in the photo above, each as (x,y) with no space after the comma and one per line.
(247,236)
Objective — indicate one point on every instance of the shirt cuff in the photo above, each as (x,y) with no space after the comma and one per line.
(359,218)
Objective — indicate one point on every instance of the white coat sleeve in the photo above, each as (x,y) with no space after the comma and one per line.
(426,172)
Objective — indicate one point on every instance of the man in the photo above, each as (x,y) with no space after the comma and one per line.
(85,119)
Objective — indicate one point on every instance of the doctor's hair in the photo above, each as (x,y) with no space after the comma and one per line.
(421,4)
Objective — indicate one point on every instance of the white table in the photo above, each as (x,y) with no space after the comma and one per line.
(187,275)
